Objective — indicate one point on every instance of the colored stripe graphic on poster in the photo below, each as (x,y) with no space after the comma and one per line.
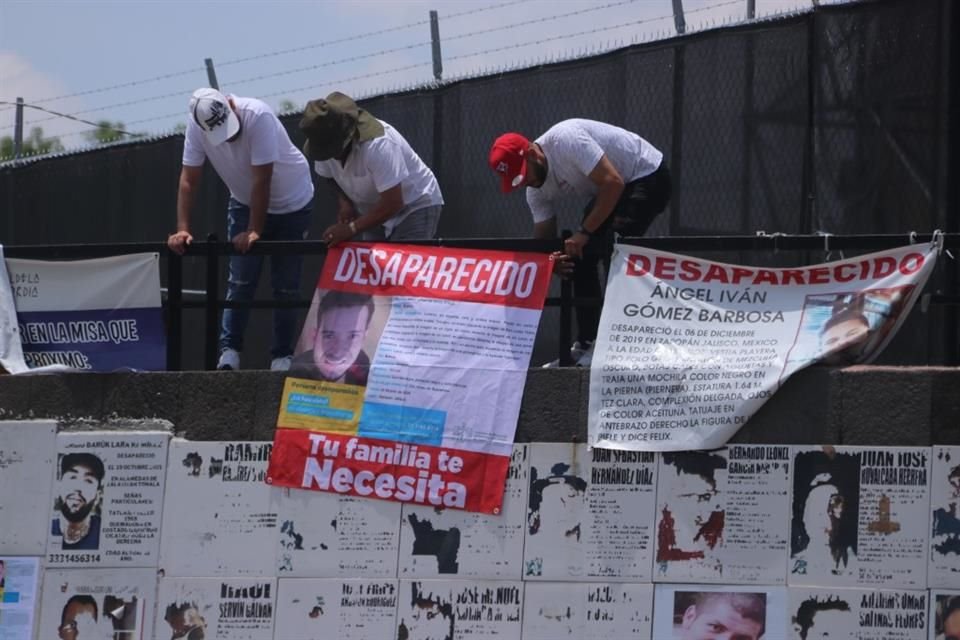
(407,378)
(689,349)
(94,315)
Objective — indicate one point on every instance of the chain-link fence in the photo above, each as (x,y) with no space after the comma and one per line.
(832,121)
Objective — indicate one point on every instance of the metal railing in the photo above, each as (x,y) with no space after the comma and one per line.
(212,250)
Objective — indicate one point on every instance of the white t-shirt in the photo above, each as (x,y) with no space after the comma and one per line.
(373,166)
(263,140)
(573,149)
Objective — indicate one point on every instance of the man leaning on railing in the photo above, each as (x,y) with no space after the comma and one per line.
(271,197)
(622,177)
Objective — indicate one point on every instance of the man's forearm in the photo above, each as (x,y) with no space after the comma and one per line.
(380,213)
(184,202)
(259,201)
(389,204)
(603,206)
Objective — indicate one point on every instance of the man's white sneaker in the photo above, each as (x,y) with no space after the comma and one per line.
(281,364)
(586,357)
(229,360)
(580,353)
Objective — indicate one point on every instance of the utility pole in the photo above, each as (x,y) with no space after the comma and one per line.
(678,18)
(18,130)
(211,73)
(435,44)
(751,9)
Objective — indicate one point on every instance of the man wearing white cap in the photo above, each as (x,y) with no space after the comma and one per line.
(271,196)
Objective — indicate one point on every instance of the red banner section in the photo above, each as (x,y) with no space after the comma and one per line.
(402,472)
(492,277)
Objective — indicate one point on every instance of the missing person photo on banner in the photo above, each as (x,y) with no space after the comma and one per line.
(340,337)
(700,612)
(841,329)
(107,499)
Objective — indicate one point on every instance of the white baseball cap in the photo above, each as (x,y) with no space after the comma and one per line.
(212,113)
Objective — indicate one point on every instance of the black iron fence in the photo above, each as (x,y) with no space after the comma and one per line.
(931,334)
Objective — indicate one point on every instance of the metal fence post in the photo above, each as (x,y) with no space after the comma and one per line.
(211,74)
(212,306)
(952,200)
(435,46)
(174,310)
(18,130)
(678,20)
(567,303)
(676,142)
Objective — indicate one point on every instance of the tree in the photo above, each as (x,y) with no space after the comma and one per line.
(288,106)
(106,131)
(34,144)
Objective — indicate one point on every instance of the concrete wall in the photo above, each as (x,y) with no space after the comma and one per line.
(908,406)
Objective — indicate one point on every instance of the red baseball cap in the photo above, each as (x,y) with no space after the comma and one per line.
(507,159)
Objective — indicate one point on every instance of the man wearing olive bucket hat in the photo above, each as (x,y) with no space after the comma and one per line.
(384,189)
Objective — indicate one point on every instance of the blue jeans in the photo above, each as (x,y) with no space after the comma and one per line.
(244,272)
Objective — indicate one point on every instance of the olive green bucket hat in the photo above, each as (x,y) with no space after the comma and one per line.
(331,123)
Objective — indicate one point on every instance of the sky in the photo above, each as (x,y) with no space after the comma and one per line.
(138,61)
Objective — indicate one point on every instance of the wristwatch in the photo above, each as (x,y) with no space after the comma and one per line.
(584,231)
(353,227)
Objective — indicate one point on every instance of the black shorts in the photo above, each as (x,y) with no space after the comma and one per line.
(640,203)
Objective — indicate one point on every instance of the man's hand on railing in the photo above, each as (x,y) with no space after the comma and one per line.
(562,264)
(244,240)
(177,242)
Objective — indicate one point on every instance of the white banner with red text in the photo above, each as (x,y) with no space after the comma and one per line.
(689,349)
(407,379)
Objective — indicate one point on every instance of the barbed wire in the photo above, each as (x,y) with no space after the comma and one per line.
(587,31)
(408,47)
(328,43)
(529,23)
(330,63)
(57,114)
(385,52)
(350,79)
(269,54)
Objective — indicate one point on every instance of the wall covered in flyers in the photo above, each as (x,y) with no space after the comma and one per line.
(143,535)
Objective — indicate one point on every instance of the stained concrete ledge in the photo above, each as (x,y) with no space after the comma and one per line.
(858,405)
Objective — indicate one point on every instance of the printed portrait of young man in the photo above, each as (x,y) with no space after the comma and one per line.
(77,503)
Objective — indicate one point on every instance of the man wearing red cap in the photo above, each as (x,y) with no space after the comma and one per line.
(622,178)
